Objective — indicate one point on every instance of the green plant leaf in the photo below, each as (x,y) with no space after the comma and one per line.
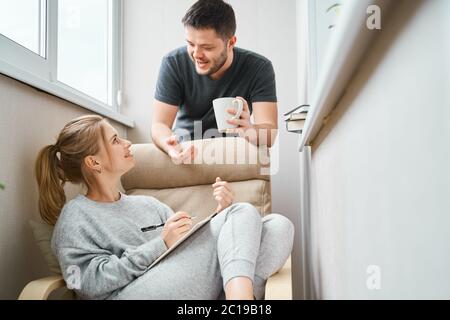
(2,186)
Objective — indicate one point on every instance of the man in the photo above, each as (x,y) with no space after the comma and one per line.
(212,67)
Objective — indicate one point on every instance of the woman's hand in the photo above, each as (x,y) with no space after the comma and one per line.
(176,226)
(223,194)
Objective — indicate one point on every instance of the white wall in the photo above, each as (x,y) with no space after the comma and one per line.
(380,168)
(29,120)
(152,28)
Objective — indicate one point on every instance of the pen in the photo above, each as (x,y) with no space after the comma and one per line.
(158,225)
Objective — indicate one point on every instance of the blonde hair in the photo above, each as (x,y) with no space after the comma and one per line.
(64,161)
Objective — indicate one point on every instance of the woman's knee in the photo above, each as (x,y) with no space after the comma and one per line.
(280,227)
(276,245)
(242,211)
(244,208)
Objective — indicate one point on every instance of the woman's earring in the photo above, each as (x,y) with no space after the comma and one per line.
(99,171)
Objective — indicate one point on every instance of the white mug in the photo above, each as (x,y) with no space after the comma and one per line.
(220,110)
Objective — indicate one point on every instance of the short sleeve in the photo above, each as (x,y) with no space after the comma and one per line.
(264,88)
(169,87)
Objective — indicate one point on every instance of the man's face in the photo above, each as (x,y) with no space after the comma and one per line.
(208,51)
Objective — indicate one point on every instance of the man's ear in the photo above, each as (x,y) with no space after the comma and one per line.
(232,42)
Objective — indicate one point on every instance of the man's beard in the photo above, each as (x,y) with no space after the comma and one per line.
(219,63)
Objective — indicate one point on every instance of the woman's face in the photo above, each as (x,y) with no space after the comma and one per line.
(117,158)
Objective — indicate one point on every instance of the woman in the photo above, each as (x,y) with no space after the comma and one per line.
(102,251)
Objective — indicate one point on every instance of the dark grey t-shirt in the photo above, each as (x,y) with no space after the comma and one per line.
(250,76)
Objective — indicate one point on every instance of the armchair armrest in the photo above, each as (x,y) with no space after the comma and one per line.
(41,288)
(279,285)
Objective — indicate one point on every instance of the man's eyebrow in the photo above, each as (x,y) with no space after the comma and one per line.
(201,45)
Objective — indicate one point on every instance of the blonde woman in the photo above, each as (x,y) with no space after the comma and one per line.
(99,233)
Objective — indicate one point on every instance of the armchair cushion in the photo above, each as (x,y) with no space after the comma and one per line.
(42,233)
(188,186)
(256,192)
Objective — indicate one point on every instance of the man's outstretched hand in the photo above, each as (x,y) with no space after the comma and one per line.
(176,152)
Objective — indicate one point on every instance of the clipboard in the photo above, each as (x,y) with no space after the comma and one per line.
(196,227)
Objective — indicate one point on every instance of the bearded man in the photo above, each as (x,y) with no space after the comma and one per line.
(210,66)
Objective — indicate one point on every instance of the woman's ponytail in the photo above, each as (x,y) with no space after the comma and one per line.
(63,162)
(50,179)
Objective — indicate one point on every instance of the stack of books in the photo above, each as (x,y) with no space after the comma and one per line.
(295,119)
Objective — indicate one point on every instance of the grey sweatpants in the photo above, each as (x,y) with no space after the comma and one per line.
(237,242)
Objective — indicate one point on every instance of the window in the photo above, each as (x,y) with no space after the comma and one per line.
(86,24)
(23,21)
(69,48)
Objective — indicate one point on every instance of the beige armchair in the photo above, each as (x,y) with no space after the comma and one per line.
(188,188)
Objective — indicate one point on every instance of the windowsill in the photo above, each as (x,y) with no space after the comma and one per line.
(64,92)
(351,40)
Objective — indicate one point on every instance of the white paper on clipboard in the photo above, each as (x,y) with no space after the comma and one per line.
(181,240)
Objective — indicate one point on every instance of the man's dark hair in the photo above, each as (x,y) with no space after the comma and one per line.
(214,14)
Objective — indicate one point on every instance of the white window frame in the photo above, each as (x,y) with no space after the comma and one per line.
(26,66)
